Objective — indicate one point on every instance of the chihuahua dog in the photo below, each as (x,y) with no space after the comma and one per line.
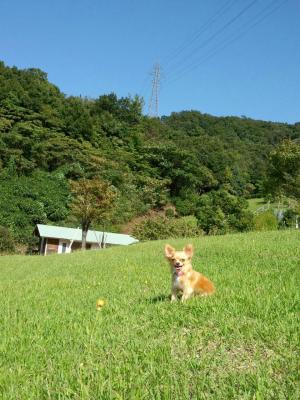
(185,280)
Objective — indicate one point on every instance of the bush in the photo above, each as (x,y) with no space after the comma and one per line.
(185,227)
(27,200)
(160,227)
(7,244)
(186,204)
(32,246)
(170,212)
(220,212)
(289,219)
(265,221)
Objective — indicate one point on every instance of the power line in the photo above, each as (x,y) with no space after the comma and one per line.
(225,43)
(218,32)
(198,33)
(146,84)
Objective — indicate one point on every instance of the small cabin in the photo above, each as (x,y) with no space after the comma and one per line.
(60,240)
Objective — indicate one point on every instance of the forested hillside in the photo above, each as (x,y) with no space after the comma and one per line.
(206,166)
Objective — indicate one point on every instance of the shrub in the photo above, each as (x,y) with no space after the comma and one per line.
(27,200)
(289,219)
(7,244)
(185,227)
(186,204)
(170,212)
(265,221)
(161,227)
(220,212)
(32,245)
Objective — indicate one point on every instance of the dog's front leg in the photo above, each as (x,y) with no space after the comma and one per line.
(187,293)
(174,295)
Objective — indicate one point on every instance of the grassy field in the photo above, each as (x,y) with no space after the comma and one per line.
(256,203)
(241,343)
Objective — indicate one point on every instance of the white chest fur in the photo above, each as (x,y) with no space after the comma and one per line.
(177,283)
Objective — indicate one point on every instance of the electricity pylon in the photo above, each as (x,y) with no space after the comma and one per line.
(153,103)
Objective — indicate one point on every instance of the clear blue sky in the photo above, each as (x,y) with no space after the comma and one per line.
(92,47)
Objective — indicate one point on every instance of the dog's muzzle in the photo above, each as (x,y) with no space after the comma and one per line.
(178,270)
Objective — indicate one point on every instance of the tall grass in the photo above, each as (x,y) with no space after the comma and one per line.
(241,343)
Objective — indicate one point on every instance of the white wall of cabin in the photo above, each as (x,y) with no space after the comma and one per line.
(60,246)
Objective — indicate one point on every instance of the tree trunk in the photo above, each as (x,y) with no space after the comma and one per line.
(85,228)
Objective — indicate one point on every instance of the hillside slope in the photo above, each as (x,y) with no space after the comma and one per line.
(240,343)
(47,139)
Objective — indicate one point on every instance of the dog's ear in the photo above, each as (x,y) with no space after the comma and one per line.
(169,251)
(189,251)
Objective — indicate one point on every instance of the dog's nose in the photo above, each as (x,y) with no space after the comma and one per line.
(177,264)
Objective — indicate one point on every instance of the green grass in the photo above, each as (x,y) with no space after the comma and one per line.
(241,343)
(256,203)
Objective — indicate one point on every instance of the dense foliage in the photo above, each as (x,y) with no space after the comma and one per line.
(6,241)
(265,221)
(202,164)
(284,171)
(162,227)
(26,200)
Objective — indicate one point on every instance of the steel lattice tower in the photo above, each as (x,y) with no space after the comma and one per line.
(153,103)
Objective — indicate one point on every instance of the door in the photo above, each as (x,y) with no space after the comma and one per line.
(63,247)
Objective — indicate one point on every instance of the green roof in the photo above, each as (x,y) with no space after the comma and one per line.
(60,232)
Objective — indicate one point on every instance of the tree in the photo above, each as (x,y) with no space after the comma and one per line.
(93,200)
(221,212)
(39,198)
(6,240)
(125,109)
(283,178)
(174,159)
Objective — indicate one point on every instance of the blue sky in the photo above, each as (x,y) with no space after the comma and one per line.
(92,47)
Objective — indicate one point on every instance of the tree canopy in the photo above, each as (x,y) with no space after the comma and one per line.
(92,202)
(187,159)
(284,170)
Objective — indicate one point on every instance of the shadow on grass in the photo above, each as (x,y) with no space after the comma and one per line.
(159,298)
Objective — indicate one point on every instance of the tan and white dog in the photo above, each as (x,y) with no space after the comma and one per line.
(185,280)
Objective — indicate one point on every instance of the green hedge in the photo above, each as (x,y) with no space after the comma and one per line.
(161,227)
(265,221)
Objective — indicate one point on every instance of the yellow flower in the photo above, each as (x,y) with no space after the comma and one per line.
(99,304)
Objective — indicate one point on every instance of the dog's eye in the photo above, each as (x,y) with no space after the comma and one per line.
(182,260)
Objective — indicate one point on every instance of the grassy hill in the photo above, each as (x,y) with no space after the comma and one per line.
(240,343)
